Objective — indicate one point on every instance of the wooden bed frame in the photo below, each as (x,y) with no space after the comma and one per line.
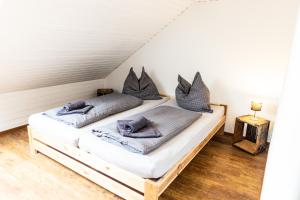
(119,181)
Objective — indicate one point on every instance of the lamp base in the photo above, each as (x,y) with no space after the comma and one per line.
(254,118)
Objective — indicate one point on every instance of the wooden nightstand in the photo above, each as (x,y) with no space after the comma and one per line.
(255,140)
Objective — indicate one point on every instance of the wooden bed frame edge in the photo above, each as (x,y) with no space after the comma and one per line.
(123,183)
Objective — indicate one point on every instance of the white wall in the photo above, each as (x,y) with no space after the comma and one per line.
(16,107)
(282,176)
(241,48)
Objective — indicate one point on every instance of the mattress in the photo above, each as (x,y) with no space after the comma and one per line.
(159,161)
(65,134)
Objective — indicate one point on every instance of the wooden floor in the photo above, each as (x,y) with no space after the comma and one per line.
(220,171)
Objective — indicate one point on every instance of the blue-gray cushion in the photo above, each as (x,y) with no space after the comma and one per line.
(195,96)
(143,88)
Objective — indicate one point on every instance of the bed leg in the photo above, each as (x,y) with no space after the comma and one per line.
(221,131)
(151,190)
(32,150)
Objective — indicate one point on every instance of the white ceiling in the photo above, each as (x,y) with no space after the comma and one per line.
(53,42)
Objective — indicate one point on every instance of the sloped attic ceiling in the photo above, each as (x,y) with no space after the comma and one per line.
(53,42)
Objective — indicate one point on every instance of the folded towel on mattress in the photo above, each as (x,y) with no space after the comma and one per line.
(168,120)
(82,111)
(132,126)
(75,105)
(139,128)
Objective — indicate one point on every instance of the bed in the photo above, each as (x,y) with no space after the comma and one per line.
(126,180)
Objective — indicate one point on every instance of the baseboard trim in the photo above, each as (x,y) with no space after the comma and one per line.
(12,129)
(225,138)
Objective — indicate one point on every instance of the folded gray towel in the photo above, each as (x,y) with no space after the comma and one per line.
(82,111)
(132,126)
(74,105)
(147,131)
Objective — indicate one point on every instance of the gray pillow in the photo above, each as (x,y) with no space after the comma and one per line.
(143,88)
(195,96)
(131,84)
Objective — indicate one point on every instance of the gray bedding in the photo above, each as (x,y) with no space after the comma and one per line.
(103,107)
(167,119)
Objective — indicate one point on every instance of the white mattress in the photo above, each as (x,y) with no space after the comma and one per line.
(159,161)
(56,130)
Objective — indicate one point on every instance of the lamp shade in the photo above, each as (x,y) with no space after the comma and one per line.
(255,106)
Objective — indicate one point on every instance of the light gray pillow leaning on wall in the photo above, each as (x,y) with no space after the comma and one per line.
(195,96)
(143,88)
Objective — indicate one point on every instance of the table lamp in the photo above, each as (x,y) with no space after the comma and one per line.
(255,106)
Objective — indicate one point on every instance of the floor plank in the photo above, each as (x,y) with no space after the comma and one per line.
(220,171)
